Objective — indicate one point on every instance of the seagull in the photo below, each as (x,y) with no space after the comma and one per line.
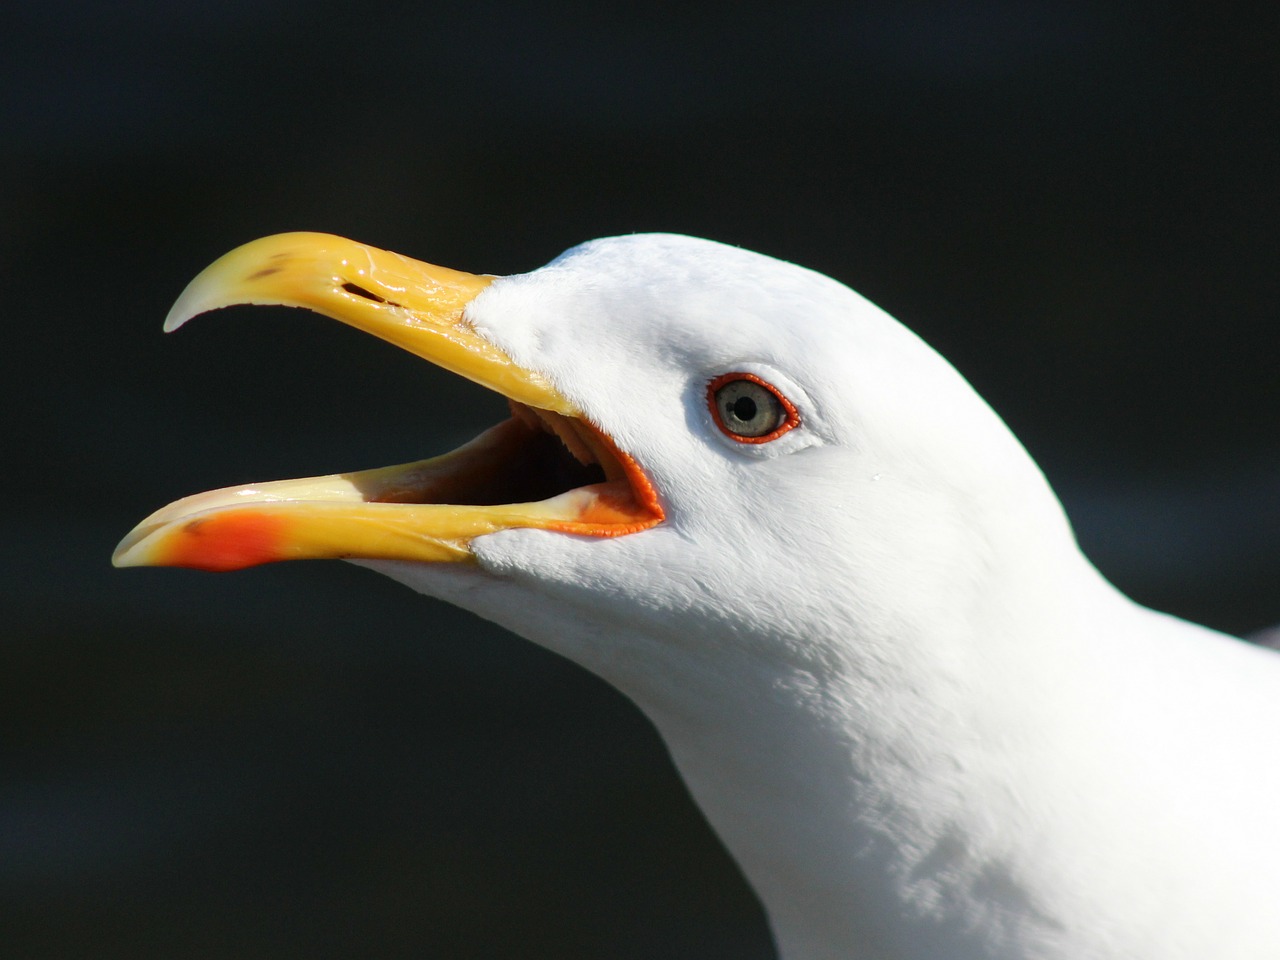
(844,594)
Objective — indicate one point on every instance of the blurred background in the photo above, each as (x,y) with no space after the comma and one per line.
(1076,203)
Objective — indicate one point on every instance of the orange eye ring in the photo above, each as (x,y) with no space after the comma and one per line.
(748,409)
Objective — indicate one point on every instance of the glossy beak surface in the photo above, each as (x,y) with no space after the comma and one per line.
(546,468)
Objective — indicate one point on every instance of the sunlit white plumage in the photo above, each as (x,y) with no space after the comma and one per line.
(920,720)
(924,725)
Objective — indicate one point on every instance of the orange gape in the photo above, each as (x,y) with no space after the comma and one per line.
(616,509)
(611,512)
(230,540)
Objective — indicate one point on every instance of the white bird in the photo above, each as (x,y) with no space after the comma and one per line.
(844,594)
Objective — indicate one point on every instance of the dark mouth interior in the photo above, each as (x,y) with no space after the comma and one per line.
(521,460)
(539,467)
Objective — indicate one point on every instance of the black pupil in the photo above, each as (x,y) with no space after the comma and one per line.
(744,409)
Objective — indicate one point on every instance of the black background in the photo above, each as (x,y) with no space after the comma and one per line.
(1077,204)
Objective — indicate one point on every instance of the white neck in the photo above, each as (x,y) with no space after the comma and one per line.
(1010,801)
(869,801)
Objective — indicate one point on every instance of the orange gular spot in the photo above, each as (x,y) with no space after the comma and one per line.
(229,540)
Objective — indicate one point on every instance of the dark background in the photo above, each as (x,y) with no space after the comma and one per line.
(1077,204)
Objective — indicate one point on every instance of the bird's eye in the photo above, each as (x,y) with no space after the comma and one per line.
(748,409)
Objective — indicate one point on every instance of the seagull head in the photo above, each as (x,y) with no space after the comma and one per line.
(695,429)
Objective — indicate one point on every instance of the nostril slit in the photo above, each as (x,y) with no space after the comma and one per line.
(360,291)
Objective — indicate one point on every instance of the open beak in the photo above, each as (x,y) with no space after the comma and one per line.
(547,467)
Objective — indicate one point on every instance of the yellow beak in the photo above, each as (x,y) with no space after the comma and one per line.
(424,511)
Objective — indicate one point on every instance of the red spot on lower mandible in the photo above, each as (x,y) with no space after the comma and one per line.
(227,541)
